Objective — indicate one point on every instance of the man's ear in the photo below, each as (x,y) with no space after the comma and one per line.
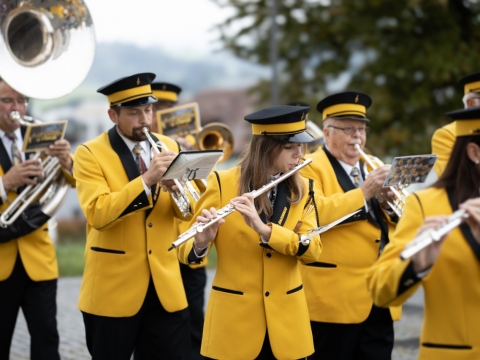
(473,152)
(113,115)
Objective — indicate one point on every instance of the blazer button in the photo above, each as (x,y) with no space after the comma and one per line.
(134,206)
(377,240)
(269,255)
(150,224)
(267,293)
(149,251)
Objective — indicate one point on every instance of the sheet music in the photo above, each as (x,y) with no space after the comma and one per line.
(192,165)
(408,170)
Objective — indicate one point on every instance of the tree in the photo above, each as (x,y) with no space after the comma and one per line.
(407,55)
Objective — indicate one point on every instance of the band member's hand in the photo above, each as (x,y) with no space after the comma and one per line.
(384,196)
(472,207)
(22,174)
(61,150)
(427,256)
(208,234)
(374,182)
(158,166)
(245,205)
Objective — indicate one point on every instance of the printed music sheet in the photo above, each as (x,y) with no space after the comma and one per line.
(190,165)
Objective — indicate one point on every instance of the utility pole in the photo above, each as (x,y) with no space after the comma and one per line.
(274,52)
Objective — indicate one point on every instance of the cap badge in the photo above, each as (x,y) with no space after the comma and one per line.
(356,99)
(138,81)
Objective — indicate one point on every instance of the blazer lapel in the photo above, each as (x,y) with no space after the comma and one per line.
(346,184)
(281,206)
(124,153)
(467,233)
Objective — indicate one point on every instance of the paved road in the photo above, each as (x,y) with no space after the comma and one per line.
(72,338)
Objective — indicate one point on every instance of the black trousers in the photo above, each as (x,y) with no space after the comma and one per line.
(38,302)
(194,281)
(152,333)
(369,340)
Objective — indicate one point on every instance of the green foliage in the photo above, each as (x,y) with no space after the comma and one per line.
(70,256)
(407,55)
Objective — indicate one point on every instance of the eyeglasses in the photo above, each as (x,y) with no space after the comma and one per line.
(350,130)
(9,101)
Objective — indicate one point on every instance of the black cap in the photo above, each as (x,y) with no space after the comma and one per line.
(129,91)
(298,103)
(467,121)
(165,91)
(345,105)
(470,83)
(284,123)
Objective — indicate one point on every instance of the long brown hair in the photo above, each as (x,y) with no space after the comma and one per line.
(461,173)
(256,161)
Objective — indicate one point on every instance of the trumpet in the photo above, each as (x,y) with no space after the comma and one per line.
(180,196)
(428,237)
(228,209)
(400,195)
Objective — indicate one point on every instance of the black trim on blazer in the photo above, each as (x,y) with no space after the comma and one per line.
(294,290)
(219,184)
(110,251)
(128,162)
(281,203)
(229,291)
(346,184)
(408,279)
(192,258)
(447,346)
(266,246)
(302,249)
(321,264)
(467,233)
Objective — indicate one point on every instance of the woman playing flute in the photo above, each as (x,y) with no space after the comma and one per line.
(448,269)
(257,307)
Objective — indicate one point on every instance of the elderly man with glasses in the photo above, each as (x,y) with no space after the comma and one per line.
(345,323)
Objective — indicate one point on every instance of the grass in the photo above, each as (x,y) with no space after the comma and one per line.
(71,259)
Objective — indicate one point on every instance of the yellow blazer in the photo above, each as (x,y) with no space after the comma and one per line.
(128,233)
(257,286)
(335,286)
(442,144)
(36,248)
(452,286)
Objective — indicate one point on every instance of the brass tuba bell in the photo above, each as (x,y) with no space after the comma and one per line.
(216,136)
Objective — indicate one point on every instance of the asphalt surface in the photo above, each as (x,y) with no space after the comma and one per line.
(72,336)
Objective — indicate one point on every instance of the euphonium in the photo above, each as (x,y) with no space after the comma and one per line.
(180,196)
(400,195)
(50,191)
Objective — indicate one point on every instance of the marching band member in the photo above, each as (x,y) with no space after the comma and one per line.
(257,307)
(443,138)
(194,277)
(131,298)
(28,263)
(448,269)
(345,323)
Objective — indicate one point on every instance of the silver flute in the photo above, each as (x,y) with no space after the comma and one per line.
(305,239)
(428,237)
(228,209)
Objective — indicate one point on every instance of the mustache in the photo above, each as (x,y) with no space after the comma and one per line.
(356,141)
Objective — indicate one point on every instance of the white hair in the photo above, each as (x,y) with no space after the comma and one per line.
(470,95)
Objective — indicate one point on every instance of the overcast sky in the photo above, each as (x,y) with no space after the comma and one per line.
(178,26)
